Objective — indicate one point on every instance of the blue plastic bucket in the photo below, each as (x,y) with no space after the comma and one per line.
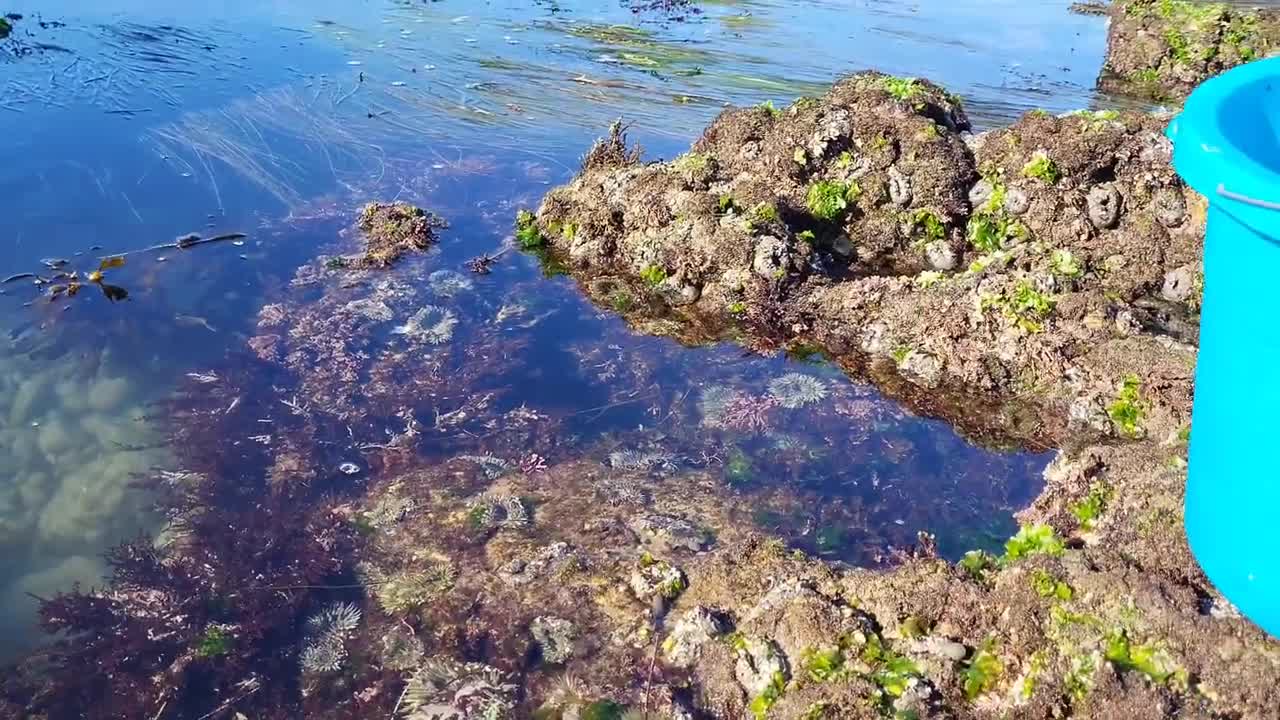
(1227,147)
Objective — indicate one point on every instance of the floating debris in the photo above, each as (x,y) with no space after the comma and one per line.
(349,468)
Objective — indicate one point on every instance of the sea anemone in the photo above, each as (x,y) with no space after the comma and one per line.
(447,283)
(431,325)
(499,510)
(402,591)
(795,390)
(444,689)
(324,647)
(322,657)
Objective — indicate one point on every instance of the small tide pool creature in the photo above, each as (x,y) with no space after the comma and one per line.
(795,390)
(431,325)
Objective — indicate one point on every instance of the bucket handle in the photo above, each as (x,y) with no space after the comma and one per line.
(1266,205)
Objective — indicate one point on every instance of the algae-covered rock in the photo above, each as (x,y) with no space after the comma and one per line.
(1163,49)
(394,229)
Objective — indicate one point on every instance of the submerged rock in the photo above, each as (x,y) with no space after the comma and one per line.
(859,220)
(664,533)
(393,229)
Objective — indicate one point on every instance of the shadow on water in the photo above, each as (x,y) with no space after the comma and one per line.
(138,127)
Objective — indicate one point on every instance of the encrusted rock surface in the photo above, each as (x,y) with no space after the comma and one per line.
(1163,49)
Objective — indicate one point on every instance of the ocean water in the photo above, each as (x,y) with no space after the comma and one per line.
(130,124)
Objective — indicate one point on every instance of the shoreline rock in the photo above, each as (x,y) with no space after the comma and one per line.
(1163,49)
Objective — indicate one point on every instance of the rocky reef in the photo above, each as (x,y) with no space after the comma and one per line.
(1028,262)
(1163,49)
(374,524)
(1054,262)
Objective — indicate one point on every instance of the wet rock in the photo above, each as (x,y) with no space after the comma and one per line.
(1127,323)
(917,701)
(925,368)
(657,579)
(772,258)
(875,339)
(543,563)
(759,663)
(1104,206)
(980,192)
(1089,414)
(691,631)
(831,129)
(1179,284)
(555,637)
(843,247)
(664,534)
(1170,207)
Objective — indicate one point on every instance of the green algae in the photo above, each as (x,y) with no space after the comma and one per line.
(1148,659)
(903,89)
(829,199)
(1041,167)
(216,642)
(1089,510)
(653,275)
(1034,539)
(1127,411)
(983,671)
(1048,586)
(929,224)
(527,232)
(762,703)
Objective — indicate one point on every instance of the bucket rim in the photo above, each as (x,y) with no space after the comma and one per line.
(1208,160)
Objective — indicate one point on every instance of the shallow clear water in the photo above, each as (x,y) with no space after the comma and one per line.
(130,123)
